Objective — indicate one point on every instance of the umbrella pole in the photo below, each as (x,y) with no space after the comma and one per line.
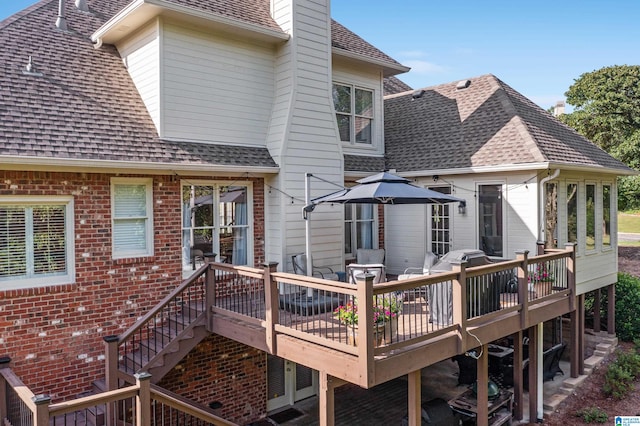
(307,228)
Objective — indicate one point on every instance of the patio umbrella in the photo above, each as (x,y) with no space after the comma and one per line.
(386,188)
(381,188)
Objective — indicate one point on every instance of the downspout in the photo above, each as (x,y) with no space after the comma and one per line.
(539,367)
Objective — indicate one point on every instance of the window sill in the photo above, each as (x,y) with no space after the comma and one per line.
(133,260)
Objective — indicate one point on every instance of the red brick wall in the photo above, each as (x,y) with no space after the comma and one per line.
(224,371)
(54,334)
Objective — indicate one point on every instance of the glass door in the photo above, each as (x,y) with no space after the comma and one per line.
(288,382)
(440,224)
(490,219)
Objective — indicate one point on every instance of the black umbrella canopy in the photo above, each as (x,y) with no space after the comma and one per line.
(386,188)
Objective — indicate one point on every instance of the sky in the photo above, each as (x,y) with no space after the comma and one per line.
(537,47)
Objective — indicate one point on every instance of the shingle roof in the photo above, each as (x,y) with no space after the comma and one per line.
(486,124)
(360,163)
(85,106)
(345,39)
(393,85)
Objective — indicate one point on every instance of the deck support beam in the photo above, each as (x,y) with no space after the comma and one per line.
(326,399)
(581,329)
(482,386)
(414,397)
(518,383)
(535,358)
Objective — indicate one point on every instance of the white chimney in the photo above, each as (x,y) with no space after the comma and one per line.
(558,109)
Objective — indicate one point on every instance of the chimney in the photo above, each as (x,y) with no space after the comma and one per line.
(558,109)
(61,22)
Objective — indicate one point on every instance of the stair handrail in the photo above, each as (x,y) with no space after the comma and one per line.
(113,343)
(186,406)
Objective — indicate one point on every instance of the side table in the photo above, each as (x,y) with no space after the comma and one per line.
(466,404)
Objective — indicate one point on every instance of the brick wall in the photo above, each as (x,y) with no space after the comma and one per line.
(54,334)
(223,371)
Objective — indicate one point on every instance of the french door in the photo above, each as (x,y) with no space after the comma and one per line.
(440,224)
(288,382)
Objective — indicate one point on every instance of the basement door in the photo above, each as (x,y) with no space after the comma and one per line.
(288,382)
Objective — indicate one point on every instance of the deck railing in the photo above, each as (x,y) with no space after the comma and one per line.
(140,404)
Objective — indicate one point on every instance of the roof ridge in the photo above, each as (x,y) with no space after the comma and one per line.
(520,124)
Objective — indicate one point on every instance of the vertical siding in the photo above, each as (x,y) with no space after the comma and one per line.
(215,88)
(141,55)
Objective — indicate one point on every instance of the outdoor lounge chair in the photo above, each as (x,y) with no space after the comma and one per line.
(430,259)
(299,262)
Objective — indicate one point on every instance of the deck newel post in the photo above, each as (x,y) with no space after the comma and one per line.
(414,397)
(111,372)
(366,336)
(611,309)
(41,416)
(540,247)
(326,400)
(271,304)
(459,297)
(571,274)
(482,386)
(523,286)
(534,356)
(143,399)
(518,391)
(4,363)
(210,289)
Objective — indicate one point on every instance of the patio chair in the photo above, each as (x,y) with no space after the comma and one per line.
(370,256)
(430,259)
(377,269)
(299,262)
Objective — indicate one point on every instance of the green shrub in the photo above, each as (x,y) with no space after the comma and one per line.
(629,361)
(627,302)
(618,382)
(592,415)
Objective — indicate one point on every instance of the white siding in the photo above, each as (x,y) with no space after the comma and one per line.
(141,56)
(215,88)
(405,237)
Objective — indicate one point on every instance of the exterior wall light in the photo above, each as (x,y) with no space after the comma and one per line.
(462,207)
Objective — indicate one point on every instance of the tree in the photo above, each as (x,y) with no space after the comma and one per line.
(607,112)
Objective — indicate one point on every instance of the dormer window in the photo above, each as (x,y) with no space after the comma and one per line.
(354,113)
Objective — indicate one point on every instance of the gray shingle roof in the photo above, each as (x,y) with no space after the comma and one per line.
(345,39)
(393,85)
(486,124)
(85,106)
(359,163)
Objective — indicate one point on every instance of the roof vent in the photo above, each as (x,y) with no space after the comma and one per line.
(82,5)
(30,69)
(61,22)
(417,94)
(463,84)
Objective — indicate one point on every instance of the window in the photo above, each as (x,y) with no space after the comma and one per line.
(440,224)
(572,212)
(490,217)
(36,242)
(354,113)
(591,216)
(132,217)
(215,220)
(551,215)
(360,227)
(606,216)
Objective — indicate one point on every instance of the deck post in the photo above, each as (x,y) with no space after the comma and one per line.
(111,362)
(534,369)
(41,416)
(272,313)
(326,401)
(580,310)
(596,310)
(143,399)
(523,286)
(611,309)
(459,293)
(366,336)
(4,363)
(571,274)
(482,386)
(414,397)
(518,392)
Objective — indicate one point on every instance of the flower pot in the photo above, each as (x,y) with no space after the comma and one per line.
(387,332)
(542,288)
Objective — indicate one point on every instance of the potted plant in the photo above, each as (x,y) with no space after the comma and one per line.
(385,317)
(542,280)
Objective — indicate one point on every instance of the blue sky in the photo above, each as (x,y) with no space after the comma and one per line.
(537,47)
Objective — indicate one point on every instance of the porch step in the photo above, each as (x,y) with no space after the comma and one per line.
(570,384)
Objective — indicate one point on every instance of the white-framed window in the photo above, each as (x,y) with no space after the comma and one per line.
(571,197)
(354,113)
(590,212)
(36,242)
(360,228)
(217,218)
(131,217)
